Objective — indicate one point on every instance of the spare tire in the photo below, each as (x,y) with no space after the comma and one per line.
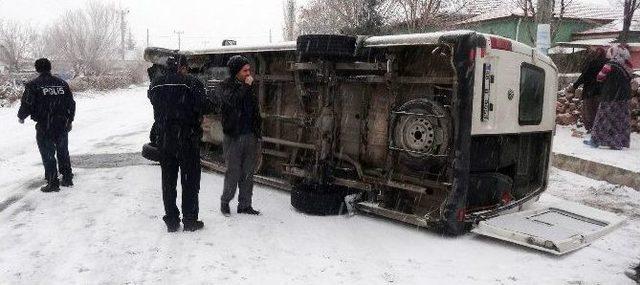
(422,128)
(318,199)
(326,45)
(151,152)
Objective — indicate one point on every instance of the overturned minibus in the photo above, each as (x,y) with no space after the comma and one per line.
(437,130)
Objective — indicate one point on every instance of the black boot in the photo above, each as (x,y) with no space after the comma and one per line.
(51,187)
(224,208)
(192,226)
(248,210)
(172,224)
(67,181)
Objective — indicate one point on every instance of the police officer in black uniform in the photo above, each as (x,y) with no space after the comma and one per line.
(49,102)
(178,101)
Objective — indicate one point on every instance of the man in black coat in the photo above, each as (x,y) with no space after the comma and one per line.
(241,125)
(49,102)
(591,88)
(178,103)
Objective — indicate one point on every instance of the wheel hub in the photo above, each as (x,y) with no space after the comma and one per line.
(419,134)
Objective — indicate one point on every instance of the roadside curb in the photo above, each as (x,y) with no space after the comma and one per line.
(595,170)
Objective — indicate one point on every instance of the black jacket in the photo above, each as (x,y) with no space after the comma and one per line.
(617,84)
(239,108)
(49,102)
(588,78)
(178,104)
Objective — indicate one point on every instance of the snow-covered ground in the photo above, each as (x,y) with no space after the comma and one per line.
(107,229)
(565,143)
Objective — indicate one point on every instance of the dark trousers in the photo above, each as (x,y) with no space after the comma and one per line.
(589,111)
(50,146)
(240,157)
(186,159)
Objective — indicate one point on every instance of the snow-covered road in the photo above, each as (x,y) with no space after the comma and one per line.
(107,229)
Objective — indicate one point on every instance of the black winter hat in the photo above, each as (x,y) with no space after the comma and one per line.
(42,65)
(236,63)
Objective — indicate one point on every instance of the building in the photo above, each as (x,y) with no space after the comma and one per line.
(508,19)
(606,35)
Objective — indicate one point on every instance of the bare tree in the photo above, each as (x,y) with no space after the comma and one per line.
(15,41)
(41,45)
(371,19)
(87,37)
(342,16)
(417,15)
(131,42)
(318,18)
(630,7)
(289,30)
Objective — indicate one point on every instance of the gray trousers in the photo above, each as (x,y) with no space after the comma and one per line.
(240,157)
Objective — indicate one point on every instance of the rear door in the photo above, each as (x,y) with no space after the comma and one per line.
(557,229)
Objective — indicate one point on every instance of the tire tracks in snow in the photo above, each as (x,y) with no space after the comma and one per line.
(29,185)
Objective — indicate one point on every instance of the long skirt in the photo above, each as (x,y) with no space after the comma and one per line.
(612,126)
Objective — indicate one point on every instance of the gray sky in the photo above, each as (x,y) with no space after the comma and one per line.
(247,21)
(202,21)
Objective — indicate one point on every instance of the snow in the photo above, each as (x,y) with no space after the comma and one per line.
(627,158)
(108,227)
(205,23)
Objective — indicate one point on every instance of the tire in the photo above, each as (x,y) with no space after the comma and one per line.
(319,200)
(326,45)
(434,134)
(151,152)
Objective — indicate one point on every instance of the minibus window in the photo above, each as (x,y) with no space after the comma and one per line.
(531,94)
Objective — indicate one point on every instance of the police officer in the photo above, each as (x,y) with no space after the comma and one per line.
(241,125)
(178,101)
(49,102)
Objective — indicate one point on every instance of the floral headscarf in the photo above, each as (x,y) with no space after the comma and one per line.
(620,54)
(617,54)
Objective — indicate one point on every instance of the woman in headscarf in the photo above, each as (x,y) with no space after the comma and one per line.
(591,90)
(612,126)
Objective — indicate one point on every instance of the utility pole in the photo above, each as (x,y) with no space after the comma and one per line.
(123,28)
(179,33)
(270,37)
(543,19)
(289,20)
(204,43)
(147,37)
